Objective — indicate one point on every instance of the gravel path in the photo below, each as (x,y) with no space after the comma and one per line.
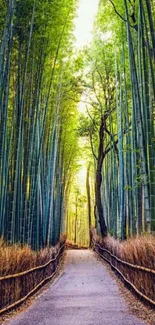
(85,294)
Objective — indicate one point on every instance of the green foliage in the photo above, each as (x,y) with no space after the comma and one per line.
(120,81)
(38,141)
(41,83)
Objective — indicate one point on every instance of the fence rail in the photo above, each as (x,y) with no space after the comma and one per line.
(139,278)
(16,288)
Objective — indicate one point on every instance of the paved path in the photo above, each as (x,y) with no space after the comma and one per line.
(85,294)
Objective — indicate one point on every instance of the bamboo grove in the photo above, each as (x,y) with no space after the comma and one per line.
(120,88)
(36,153)
(41,82)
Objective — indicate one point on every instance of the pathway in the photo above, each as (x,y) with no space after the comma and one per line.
(85,294)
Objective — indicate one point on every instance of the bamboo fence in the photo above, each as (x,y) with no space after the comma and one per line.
(16,288)
(138,278)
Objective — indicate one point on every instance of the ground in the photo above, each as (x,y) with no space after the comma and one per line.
(85,293)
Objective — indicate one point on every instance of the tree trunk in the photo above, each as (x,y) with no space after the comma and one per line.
(88,196)
(76,218)
(98,180)
(99,203)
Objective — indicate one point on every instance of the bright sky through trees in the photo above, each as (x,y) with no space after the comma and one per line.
(75,117)
(87,10)
(84,22)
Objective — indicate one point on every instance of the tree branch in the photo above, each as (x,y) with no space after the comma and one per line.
(114,142)
(114,146)
(101,110)
(117,11)
(92,119)
(92,148)
(135,26)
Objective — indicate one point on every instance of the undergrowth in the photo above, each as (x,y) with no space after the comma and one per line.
(15,259)
(139,251)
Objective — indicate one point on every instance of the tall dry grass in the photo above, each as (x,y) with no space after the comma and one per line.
(13,260)
(16,259)
(138,251)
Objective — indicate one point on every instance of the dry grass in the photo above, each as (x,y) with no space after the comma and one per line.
(14,259)
(140,250)
(137,251)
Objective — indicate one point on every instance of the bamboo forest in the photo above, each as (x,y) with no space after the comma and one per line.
(77,137)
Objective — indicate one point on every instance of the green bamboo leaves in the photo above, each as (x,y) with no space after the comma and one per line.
(128,173)
(32,104)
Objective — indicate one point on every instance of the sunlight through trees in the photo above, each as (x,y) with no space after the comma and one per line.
(77,143)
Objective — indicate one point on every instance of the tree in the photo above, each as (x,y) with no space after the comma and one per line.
(36,38)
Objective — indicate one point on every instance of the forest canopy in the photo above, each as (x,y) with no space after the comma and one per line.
(45,139)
